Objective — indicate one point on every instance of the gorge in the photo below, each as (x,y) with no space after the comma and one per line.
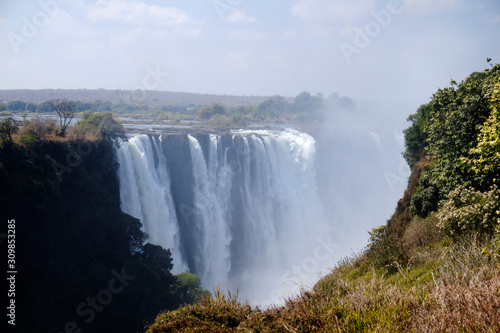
(240,210)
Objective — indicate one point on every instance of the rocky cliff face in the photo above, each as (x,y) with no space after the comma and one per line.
(71,235)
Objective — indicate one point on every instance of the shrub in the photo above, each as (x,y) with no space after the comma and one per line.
(8,127)
(101,125)
(205,113)
(188,287)
(41,126)
(30,139)
(485,162)
(221,121)
(426,197)
(421,232)
(469,210)
(383,249)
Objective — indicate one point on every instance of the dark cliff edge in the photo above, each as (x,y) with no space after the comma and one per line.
(80,262)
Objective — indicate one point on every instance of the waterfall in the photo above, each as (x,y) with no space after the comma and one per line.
(241,210)
(212,257)
(145,192)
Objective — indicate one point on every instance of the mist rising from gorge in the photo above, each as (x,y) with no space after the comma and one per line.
(268,212)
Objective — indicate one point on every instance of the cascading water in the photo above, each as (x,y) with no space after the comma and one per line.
(241,210)
(145,192)
(210,182)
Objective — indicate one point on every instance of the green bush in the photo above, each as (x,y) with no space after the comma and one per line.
(426,197)
(8,126)
(383,249)
(30,139)
(485,158)
(415,136)
(469,210)
(100,124)
(188,287)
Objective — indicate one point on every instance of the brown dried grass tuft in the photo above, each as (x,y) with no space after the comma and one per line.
(466,296)
(458,307)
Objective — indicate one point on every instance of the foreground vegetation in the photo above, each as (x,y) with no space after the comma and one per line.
(445,289)
(434,267)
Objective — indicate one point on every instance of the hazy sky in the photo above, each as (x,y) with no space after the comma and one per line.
(366,49)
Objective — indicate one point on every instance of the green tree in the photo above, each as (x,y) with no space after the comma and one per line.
(8,127)
(102,125)
(307,107)
(30,107)
(426,198)
(156,256)
(101,106)
(83,106)
(30,139)
(456,128)
(416,136)
(273,108)
(218,108)
(456,118)
(305,102)
(16,106)
(44,107)
(301,102)
(383,248)
(485,159)
(189,288)
(205,113)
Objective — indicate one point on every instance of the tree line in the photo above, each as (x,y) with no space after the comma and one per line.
(303,107)
(93,125)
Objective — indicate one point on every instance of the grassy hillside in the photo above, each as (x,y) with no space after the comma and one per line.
(433,267)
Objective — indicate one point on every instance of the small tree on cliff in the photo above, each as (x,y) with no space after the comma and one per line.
(66,111)
(8,127)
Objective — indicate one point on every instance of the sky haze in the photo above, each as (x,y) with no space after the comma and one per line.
(364,49)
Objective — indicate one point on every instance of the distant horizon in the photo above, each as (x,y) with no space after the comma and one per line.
(4,99)
(153,91)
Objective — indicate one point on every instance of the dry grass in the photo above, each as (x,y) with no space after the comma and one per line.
(462,294)
(43,127)
(466,298)
(419,234)
(461,307)
(72,135)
